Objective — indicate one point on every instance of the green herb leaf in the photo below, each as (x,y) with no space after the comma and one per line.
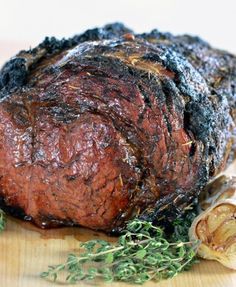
(2,220)
(109,258)
(142,253)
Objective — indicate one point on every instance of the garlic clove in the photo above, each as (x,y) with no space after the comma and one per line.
(215,227)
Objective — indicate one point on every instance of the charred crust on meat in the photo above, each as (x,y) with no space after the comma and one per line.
(15,211)
(110,124)
(14,73)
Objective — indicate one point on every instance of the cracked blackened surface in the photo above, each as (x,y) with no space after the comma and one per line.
(106,125)
(13,75)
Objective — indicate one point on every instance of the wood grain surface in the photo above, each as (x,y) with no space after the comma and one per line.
(25,251)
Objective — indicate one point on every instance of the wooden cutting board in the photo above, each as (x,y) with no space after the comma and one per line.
(25,251)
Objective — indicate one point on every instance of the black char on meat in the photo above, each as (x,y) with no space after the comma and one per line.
(111,124)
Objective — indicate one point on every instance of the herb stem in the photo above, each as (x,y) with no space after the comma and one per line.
(144,252)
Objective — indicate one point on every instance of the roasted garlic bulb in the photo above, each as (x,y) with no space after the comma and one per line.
(215,227)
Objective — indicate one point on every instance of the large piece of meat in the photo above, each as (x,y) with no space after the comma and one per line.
(107,125)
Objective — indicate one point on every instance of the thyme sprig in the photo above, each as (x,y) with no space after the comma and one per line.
(143,253)
(2,220)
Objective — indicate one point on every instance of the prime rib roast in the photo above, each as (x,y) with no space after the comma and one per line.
(109,124)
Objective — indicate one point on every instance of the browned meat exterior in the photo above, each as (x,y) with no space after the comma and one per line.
(109,124)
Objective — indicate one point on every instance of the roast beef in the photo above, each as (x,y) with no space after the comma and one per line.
(110,124)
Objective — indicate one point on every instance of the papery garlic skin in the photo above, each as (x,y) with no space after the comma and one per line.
(216,227)
(221,188)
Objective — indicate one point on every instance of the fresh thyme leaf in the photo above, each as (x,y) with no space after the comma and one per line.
(109,258)
(2,220)
(143,253)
